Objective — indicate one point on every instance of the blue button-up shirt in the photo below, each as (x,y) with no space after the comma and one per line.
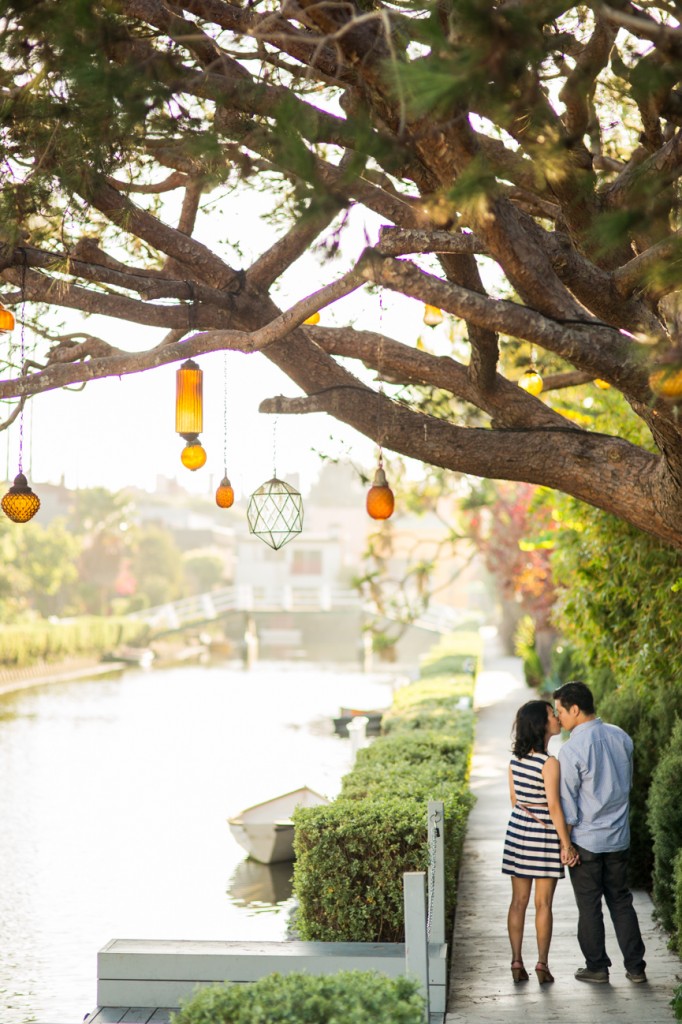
(596,776)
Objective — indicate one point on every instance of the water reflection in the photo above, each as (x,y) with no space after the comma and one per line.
(114,797)
(262,886)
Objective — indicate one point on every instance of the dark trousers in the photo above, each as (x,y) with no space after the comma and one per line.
(605,875)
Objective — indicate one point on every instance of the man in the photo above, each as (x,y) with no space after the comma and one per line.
(596,776)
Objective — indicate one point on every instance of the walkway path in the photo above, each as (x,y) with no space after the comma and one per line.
(481,988)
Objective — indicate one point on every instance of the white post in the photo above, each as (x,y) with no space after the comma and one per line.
(436,880)
(357,730)
(416,940)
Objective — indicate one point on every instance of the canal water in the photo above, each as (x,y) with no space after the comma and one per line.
(114,795)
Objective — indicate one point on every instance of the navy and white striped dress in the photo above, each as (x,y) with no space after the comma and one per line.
(531,847)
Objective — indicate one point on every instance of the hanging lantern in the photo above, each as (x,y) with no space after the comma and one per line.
(189,412)
(531,381)
(312,320)
(432,316)
(193,456)
(6,319)
(20,503)
(666,380)
(380,500)
(224,496)
(275,513)
(603,384)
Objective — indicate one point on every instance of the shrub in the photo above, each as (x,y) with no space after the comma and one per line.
(524,647)
(349,997)
(665,822)
(678,901)
(351,856)
(648,716)
(50,641)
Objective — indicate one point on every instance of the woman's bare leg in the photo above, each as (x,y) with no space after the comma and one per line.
(544,895)
(517,913)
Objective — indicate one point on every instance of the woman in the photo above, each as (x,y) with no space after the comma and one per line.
(537,844)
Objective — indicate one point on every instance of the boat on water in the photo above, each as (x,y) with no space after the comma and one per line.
(266,830)
(142,656)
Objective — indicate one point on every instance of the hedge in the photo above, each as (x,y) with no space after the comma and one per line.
(349,997)
(51,641)
(678,901)
(351,855)
(665,822)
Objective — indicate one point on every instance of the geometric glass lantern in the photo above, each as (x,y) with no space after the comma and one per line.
(275,513)
(20,503)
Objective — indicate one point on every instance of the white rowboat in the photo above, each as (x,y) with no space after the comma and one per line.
(266,830)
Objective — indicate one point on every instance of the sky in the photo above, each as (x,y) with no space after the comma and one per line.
(121,432)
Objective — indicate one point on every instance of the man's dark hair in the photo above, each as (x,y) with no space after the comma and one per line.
(575,692)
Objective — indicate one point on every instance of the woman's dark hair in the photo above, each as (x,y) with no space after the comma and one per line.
(575,692)
(530,728)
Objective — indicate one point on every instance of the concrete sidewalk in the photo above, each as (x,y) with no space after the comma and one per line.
(481,987)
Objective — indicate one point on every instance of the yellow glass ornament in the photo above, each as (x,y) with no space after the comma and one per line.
(603,384)
(20,503)
(432,316)
(193,456)
(313,319)
(531,381)
(666,382)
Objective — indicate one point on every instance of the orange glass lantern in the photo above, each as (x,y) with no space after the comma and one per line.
(189,412)
(432,316)
(20,503)
(667,383)
(193,456)
(189,400)
(312,320)
(380,500)
(6,319)
(531,381)
(224,496)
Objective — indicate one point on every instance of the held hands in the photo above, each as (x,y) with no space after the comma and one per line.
(570,856)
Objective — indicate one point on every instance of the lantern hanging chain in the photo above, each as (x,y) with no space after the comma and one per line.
(22,342)
(225,412)
(380,361)
(274,447)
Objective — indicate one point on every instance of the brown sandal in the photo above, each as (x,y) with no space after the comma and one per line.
(519,972)
(543,972)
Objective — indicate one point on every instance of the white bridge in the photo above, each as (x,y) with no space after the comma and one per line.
(291,598)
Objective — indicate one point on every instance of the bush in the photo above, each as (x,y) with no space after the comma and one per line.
(351,855)
(649,718)
(678,901)
(665,822)
(349,997)
(51,641)
(524,647)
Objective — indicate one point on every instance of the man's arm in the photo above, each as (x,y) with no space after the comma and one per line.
(569,788)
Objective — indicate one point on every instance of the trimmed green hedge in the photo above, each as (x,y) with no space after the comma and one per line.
(51,641)
(349,997)
(678,901)
(665,822)
(351,855)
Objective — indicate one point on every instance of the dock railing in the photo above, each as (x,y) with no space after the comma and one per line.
(158,973)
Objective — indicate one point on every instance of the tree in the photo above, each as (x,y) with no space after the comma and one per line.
(540,139)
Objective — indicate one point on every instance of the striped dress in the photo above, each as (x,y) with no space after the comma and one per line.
(531,850)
